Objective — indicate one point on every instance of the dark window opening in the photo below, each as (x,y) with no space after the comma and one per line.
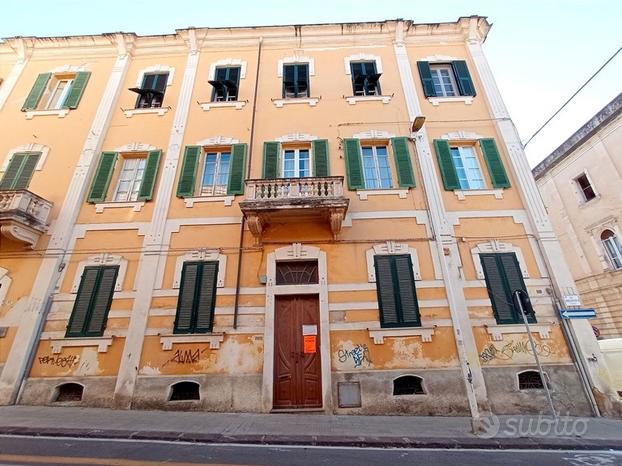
(408,385)
(70,392)
(295,80)
(184,391)
(586,187)
(151,92)
(297,273)
(365,78)
(530,380)
(226,83)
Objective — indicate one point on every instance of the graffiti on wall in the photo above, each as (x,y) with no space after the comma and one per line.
(59,361)
(509,350)
(186,356)
(358,354)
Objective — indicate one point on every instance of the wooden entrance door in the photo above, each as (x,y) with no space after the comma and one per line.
(297,370)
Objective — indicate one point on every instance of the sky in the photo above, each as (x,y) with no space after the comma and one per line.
(540,51)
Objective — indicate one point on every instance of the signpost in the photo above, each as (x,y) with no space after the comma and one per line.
(577,313)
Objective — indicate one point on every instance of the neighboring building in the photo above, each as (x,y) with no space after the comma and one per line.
(255,219)
(580,185)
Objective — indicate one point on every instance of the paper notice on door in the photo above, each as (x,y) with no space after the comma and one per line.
(310,344)
(309,329)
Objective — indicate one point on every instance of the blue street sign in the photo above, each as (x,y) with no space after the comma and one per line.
(577,313)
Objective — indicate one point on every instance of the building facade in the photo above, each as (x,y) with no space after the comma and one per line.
(322,217)
(579,185)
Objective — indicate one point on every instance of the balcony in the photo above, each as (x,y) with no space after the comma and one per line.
(284,200)
(23,216)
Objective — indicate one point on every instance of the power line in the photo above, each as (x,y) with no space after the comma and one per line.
(572,97)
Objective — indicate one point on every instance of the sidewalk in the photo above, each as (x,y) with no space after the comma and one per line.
(310,429)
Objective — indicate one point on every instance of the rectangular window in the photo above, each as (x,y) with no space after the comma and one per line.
(197,298)
(365,79)
(296,163)
(90,310)
(216,173)
(377,171)
(503,277)
(467,168)
(587,191)
(130,179)
(19,171)
(612,248)
(295,80)
(226,83)
(58,93)
(397,296)
(151,92)
(444,80)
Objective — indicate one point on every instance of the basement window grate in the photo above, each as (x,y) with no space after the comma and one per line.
(530,380)
(69,392)
(408,385)
(185,391)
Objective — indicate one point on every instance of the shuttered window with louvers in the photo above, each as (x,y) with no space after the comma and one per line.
(197,298)
(397,296)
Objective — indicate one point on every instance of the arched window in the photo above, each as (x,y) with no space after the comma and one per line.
(611,243)
(69,392)
(530,380)
(184,391)
(408,385)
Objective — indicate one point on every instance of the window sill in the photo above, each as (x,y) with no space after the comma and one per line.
(497,331)
(466,99)
(190,201)
(461,194)
(583,204)
(352,100)
(312,101)
(214,340)
(364,193)
(60,113)
(136,206)
(237,104)
(160,111)
(102,343)
(379,335)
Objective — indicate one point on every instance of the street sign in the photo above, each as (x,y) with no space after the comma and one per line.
(577,313)
(572,300)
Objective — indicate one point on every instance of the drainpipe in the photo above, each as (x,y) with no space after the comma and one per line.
(248,171)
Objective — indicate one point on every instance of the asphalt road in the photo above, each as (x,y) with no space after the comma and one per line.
(21,450)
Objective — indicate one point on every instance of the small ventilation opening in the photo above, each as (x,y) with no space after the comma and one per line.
(183,391)
(70,392)
(408,385)
(530,380)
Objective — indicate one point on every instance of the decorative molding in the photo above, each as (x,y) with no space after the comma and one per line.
(60,113)
(136,206)
(295,59)
(497,246)
(218,141)
(353,100)
(135,147)
(296,137)
(214,340)
(237,104)
(364,193)
(297,251)
(466,99)
(439,58)
(497,331)
(5,283)
(462,193)
(202,255)
(362,57)
(379,335)
(68,69)
(160,111)
(227,200)
(374,134)
(389,248)
(23,54)
(312,101)
(227,62)
(102,343)
(32,147)
(462,135)
(103,259)
(156,69)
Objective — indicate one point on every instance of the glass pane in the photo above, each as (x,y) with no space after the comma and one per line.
(304,167)
(58,95)
(210,169)
(369,168)
(289,164)
(223,169)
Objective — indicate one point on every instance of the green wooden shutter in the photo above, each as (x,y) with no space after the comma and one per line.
(204,308)
(20,170)
(465,83)
(102,300)
(15,166)
(426,78)
(99,188)
(386,295)
(404,285)
(321,162)
(36,92)
(187,295)
(82,304)
(145,193)
(185,186)
(77,89)
(237,169)
(446,164)
(403,163)
(514,278)
(271,151)
(354,164)
(496,169)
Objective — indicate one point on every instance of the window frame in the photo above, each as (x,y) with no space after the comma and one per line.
(461,148)
(150,101)
(117,171)
(218,151)
(581,190)
(296,149)
(610,246)
(193,330)
(365,91)
(297,93)
(214,97)
(435,69)
(55,82)
(374,146)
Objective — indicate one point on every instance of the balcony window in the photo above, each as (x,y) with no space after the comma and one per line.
(377,170)
(216,173)
(296,163)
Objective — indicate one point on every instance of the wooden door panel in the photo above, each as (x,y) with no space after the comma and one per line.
(284,365)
